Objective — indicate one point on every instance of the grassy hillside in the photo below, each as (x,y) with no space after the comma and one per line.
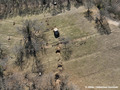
(94,60)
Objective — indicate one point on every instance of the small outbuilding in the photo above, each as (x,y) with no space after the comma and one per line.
(56,33)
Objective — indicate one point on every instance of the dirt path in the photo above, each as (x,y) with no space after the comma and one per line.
(110,21)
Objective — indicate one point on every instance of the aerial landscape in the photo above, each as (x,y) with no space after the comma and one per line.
(59,44)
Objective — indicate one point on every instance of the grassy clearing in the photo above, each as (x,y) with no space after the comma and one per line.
(70,26)
(89,46)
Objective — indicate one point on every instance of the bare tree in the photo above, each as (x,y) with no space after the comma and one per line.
(2,79)
(32,45)
(19,52)
(88,4)
(3,52)
(102,26)
(33,41)
(48,82)
(109,8)
(37,67)
(66,49)
(78,3)
(11,8)
(68,4)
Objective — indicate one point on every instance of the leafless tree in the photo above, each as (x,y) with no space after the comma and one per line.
(103,26)
(47,82)
(3,52)
(33,41)
(32,45)
(109,8)
(66,51)
(11,8)
(19,53)
(78,3)
(88,4)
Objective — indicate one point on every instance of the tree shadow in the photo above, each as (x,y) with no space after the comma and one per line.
(102,26)
(88,15)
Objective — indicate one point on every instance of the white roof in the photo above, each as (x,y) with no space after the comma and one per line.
(55,29)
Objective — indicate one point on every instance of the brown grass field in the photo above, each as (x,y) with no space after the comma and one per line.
(93,63)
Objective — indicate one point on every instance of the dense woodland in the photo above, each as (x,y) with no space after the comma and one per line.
(11,8)
(34,39)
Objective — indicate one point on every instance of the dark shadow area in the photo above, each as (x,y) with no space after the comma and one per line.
(66,51)
(102,26)
(88,15)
